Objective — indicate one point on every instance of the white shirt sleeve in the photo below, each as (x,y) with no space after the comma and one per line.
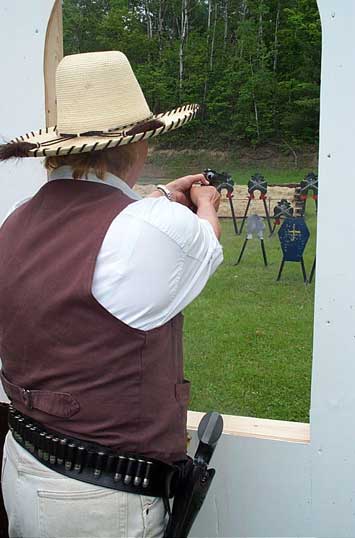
(156,258)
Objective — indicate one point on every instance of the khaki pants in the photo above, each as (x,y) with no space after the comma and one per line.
(41,503)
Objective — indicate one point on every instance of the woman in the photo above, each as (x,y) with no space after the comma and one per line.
(92,283)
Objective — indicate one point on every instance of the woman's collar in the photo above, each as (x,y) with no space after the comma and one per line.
(66,172)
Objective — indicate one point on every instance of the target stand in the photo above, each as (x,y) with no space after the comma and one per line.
(257,183)
(223,181)
(293,236)
(309,185)
(255,225)
(311,275)
(230,193)
(283,210)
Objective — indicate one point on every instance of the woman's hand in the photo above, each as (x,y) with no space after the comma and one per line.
(201,198)
(181,187)
(206,200)
(205,196)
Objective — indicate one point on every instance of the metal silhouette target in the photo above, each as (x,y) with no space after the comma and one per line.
(309,185)
(257,183)
(293,236)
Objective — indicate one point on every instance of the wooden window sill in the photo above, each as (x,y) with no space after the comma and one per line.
(277,430)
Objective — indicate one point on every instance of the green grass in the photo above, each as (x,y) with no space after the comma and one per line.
(248,338)
(176,164)
(241,175)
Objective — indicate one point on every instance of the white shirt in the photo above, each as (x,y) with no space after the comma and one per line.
(155,259)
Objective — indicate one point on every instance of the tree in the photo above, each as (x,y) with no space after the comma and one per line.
(254,65)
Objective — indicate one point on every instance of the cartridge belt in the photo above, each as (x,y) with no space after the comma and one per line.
(93,463)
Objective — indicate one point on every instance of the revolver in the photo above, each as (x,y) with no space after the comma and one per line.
(219,180)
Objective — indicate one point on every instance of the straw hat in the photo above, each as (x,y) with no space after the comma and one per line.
(100,105)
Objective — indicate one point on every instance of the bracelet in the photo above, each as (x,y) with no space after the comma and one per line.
(168,194)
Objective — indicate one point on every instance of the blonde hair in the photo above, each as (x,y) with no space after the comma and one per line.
(96,161)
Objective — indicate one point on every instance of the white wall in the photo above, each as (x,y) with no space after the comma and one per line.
(333,381)
(23,27)
(262,488)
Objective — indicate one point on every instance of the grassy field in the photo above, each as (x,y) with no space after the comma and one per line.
(278,170)
(248,338)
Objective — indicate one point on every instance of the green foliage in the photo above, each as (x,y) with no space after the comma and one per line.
(253,65)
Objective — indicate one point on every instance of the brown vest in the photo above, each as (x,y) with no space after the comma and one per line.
(67,362)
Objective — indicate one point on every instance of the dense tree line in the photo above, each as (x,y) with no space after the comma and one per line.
(253,65)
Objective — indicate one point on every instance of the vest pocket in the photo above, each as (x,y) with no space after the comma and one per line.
(182,392)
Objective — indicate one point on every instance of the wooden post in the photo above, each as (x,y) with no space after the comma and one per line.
(53,53)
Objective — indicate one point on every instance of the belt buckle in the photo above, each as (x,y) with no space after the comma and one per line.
(27,398)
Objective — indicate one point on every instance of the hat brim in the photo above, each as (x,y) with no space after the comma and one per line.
(50,143)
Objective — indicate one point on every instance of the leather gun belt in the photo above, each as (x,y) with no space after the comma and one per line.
(92,463)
